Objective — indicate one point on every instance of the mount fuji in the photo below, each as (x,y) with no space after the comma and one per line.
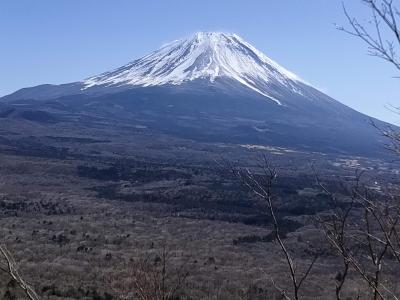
(211,86)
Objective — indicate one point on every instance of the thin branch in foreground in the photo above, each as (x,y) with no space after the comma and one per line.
(383,40)
(13,272)
(261,186)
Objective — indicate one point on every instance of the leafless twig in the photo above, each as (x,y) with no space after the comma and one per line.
(13,272)
(261,185)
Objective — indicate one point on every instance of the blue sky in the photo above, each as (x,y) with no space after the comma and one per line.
(48,41)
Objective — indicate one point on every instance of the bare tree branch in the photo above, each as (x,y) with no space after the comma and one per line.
(262,187)
(13,272)
(383,39)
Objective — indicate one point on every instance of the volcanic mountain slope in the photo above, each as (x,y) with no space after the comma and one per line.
(211,86)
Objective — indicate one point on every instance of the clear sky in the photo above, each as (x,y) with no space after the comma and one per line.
(60,41)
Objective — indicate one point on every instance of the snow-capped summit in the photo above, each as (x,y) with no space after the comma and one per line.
(204,55)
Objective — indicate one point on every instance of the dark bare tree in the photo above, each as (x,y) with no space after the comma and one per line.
(378,228)
(151,277)
(261,184)
(364,232)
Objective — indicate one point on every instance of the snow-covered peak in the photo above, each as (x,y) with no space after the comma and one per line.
(205,55)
